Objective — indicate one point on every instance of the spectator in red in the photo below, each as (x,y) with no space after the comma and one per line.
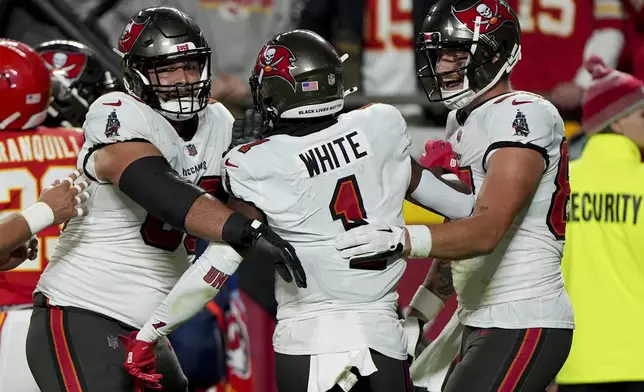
(557,37)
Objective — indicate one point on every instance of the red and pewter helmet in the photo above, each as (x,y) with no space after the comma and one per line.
(488,30)
(157,37)
(77,79)
(298,75)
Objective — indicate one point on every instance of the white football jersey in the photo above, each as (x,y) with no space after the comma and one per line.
(518,285)
(119,260)
(310,187)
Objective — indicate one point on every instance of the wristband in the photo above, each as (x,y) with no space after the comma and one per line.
(237,230)
(38,217)
(221,256)
(420,241)
(148,333)
(426,303)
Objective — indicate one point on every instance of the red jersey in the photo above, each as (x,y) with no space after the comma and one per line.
(553,37)
(29,162)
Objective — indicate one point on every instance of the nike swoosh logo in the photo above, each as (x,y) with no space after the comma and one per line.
(515,102)
(387,230)
(117,103)
(227,163)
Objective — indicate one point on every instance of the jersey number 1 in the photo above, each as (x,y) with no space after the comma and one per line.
(346,203)
(347,206)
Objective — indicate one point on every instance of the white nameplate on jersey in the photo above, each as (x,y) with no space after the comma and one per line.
(341,152)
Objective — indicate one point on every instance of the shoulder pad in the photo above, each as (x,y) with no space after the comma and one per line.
(117,117)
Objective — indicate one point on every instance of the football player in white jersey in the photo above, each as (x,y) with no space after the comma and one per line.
(313,175)
(513,310)
(153,155)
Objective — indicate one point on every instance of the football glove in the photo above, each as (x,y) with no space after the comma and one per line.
(280,252)
(140,362)
(439,153)
(369,242)
(248,129)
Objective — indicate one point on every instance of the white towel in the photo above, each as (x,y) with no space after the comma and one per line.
(327,370)
(430,368)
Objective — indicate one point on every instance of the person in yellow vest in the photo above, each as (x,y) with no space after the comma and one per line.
(603,262)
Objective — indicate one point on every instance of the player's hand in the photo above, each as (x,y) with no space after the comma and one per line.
(413,331)
(280,252)
(370,241)
(140,362)
(66,197)
(26,251)
(19,255)
(439,153)
(247,129)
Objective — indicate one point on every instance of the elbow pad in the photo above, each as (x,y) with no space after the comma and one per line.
(153,184)
(438,196)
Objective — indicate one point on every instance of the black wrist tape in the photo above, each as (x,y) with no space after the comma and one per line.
(237,230)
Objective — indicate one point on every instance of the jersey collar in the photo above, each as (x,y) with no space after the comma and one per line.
(301,127)
(611,146)
(464,113)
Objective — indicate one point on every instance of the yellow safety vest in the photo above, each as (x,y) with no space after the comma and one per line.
(603,263)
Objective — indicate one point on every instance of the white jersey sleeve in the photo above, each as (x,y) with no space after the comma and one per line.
(522,120)
(116,117)
(238,179)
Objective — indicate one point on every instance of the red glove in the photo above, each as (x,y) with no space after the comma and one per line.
(439,153)
(140,362)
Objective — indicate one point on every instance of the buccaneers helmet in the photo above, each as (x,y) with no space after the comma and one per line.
(298,74)
(77,79)
(154,39)
(487,31)
(24,86)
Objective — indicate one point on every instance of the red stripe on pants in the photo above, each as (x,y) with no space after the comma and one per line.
(521,360)
(63,355)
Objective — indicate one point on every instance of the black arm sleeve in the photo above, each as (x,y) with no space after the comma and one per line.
(154,185)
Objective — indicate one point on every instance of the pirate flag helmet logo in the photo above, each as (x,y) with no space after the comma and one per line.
(491,14)
(276,61)
(130,34)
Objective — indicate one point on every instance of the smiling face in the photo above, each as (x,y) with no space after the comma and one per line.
(450,66)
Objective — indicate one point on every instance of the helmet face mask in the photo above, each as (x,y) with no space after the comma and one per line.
(468,46)
(178,85)
(166,62)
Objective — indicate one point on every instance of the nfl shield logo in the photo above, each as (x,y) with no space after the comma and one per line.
(113,342)
(192,150)
(331,79)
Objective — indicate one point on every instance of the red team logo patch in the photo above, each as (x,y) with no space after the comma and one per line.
(130,35)
(492,12)
(68,65)
(276,61)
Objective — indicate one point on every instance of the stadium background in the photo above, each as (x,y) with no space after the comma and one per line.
(378,35)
